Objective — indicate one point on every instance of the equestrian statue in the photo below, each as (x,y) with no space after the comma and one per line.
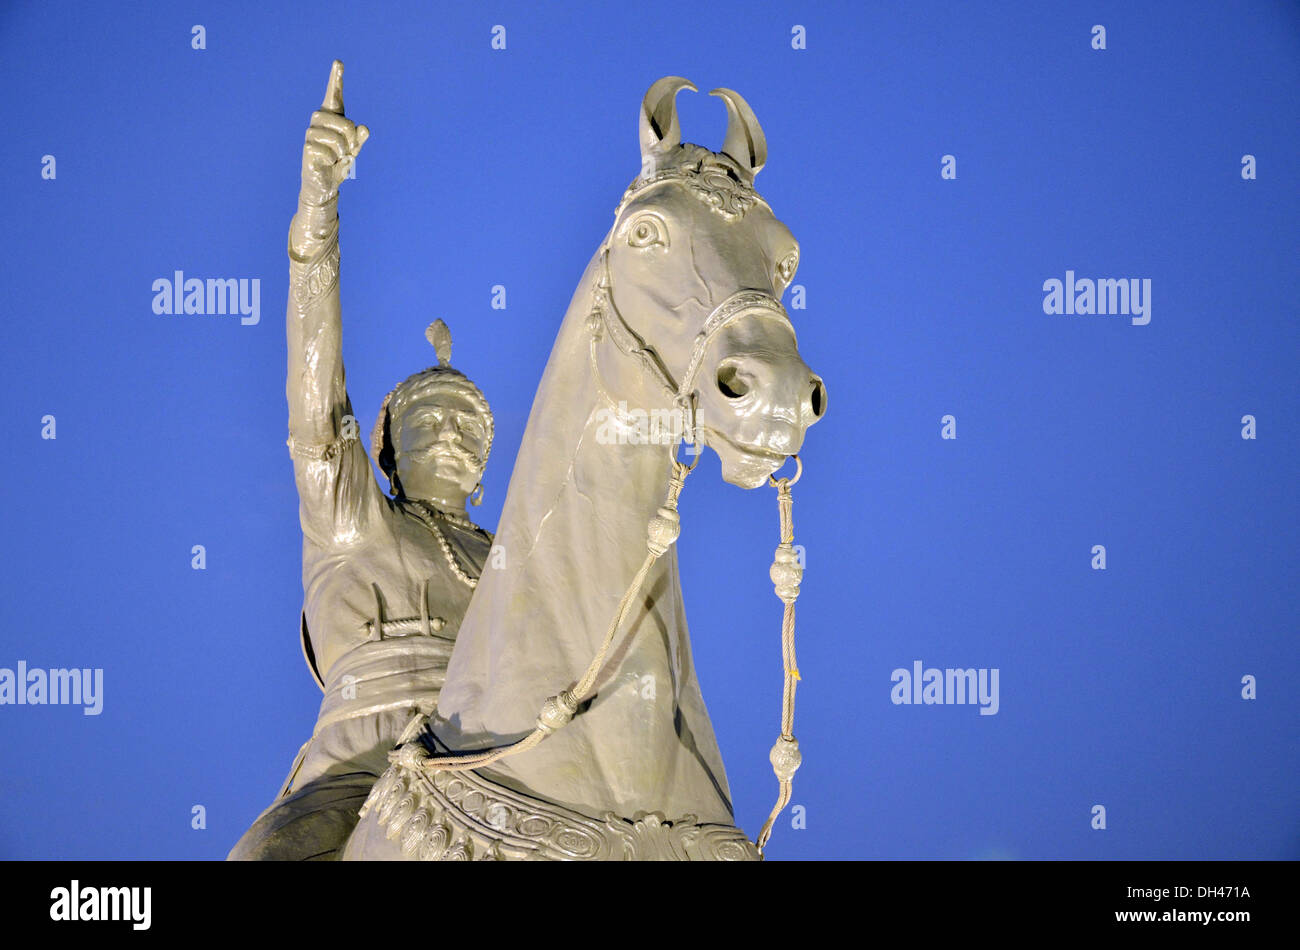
(544,743)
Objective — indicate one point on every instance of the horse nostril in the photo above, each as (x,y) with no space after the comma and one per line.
(818,398)
(731,381)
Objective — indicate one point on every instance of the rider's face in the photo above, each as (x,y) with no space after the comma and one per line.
(439,445)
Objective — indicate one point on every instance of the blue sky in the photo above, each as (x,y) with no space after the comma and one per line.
(1119,687)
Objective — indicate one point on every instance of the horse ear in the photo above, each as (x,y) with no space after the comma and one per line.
(660,130)
(745,140)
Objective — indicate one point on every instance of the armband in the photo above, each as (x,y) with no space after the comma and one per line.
(319,451)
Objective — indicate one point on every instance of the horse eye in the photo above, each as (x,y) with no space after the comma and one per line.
(646,231)
(785,270)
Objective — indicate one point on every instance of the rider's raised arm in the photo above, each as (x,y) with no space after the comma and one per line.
(337,489)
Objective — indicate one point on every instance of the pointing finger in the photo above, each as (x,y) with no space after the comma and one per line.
(334,91)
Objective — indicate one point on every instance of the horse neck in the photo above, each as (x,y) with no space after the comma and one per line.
(571,537)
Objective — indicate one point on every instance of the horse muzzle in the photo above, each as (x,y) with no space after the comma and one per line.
(756,397)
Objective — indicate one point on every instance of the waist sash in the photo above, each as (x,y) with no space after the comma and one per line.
(384,675)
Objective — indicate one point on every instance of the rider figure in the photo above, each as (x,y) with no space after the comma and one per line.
(386,580)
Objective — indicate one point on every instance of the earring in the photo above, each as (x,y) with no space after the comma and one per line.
(476,496)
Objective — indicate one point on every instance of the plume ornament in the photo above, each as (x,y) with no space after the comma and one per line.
(439,338)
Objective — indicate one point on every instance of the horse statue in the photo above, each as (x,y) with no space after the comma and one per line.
(677,319)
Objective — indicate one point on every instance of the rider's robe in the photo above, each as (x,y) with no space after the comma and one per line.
(382,605)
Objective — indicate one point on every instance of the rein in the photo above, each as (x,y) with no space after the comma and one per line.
(661,532)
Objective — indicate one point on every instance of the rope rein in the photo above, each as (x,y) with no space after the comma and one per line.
(786,574)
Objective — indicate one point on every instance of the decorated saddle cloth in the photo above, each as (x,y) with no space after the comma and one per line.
(418,814)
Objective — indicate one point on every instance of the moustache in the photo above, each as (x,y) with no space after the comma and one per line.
(444,451)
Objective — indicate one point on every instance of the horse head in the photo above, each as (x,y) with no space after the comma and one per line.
(694,268)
